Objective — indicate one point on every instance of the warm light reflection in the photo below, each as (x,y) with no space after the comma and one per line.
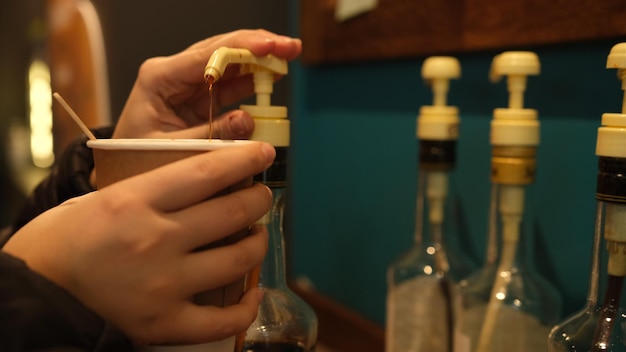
(40,114)
(430,250)
(500,295)
(428,269)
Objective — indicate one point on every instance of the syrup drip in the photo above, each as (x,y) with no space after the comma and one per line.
(209,81)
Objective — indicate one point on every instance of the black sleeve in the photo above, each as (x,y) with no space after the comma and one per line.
(68,178)
(37,315)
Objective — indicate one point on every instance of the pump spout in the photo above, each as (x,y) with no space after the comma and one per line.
(224,56)
(270,122)
(517,65)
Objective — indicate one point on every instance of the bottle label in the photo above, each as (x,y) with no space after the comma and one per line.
(611,183)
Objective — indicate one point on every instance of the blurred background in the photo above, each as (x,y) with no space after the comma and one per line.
(353,158)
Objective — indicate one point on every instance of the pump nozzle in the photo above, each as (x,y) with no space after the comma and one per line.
(271,124)
(617,59)
(439,121)
(517,65)
(515,125)
(437,71)
(263,68)
(224,56)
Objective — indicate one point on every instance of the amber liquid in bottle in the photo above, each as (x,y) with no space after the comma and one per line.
(273,347)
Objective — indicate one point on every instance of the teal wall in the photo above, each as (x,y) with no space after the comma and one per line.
(354,174)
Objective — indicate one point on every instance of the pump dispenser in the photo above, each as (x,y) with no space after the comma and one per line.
(601,324)
(270,122)
(507,305)
(420,282)
(284,322)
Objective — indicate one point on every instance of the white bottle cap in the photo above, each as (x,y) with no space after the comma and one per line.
(270,124)
(612,136)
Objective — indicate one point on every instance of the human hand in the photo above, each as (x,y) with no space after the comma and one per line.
(171,100)
(127,252)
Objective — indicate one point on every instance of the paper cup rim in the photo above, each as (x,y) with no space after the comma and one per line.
(163,144)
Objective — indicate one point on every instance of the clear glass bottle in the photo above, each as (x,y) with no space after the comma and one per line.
(420,282)
(507,305)
(601,324)
(285,322)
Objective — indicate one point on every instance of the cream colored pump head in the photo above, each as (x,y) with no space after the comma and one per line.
(439,121)
(271,123)
(515,125)
(611,139)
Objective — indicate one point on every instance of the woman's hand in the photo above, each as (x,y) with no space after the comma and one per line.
(127,250)
(171,100)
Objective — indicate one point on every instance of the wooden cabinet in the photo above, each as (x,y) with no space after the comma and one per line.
(409,28)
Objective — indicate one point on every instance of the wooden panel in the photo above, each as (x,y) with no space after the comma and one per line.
(339,328)
(406,28)
(495,24)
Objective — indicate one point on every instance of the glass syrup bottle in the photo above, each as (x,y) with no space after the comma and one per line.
(421,281)
(601,324)
(285,322)
(507,305)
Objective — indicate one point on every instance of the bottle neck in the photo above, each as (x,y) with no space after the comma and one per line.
(512,171)
(510,225)
(432,189)
(273,269)
(436,160)
(608,267)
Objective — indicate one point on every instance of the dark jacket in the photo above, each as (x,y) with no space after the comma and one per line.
(35,313)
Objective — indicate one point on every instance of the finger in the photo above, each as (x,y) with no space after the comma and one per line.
(287,48)
(230,213)
(260,42)
(235,124)
(191,180)
(186,64)
(226,264)
(200,324)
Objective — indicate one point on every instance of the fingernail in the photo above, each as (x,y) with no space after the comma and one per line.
(290,39)
(269,190)
(268,151)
